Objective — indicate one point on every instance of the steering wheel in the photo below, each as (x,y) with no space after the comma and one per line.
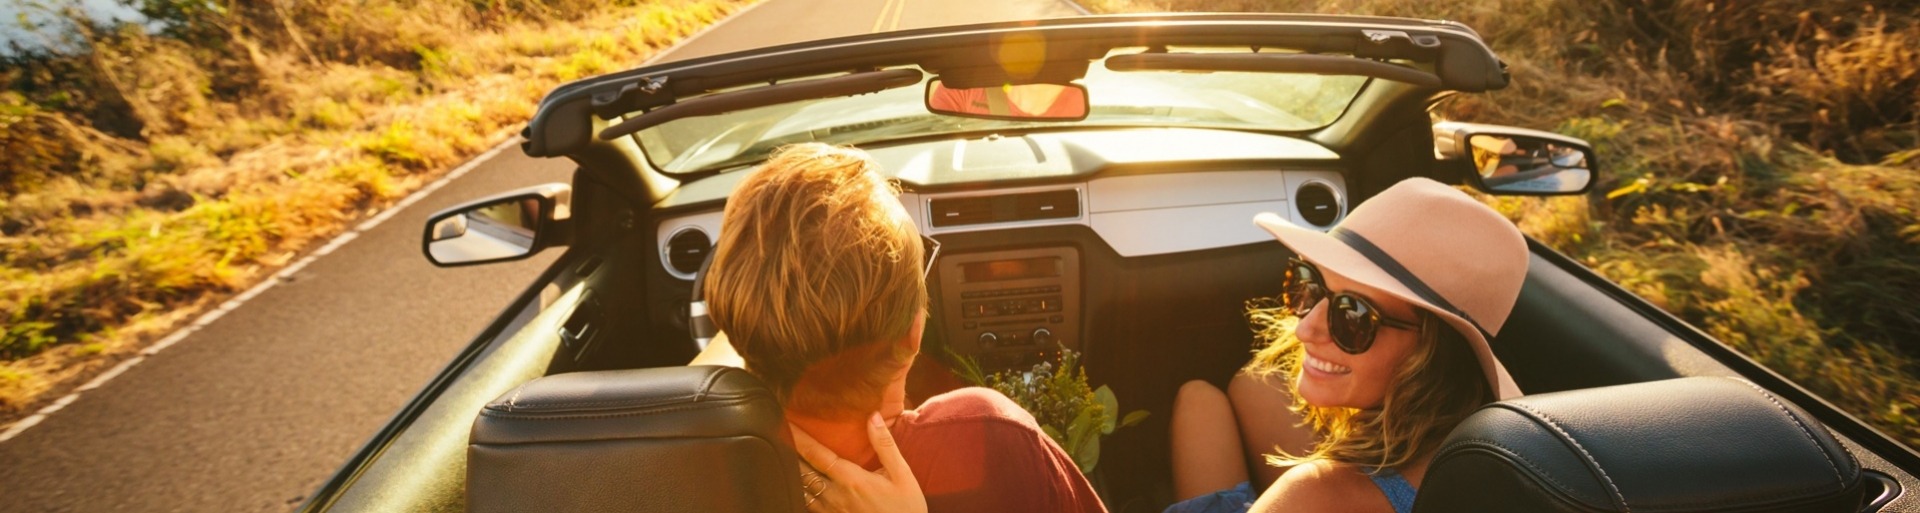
(698,323)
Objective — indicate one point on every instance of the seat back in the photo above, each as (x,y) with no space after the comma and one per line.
(708,439)
(1672,446)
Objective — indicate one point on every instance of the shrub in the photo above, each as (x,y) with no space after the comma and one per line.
(152,167)
(1759,167)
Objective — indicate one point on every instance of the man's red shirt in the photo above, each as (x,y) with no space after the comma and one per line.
(974,450)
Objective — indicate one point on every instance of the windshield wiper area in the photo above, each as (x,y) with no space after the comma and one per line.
(1273,63)
(854,133)
(885,126)
(849,85)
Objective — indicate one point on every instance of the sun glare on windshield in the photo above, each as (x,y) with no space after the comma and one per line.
(1231,100)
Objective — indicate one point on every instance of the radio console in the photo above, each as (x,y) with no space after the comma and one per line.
(1004,307)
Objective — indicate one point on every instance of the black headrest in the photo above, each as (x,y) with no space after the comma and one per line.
(709,439)
(1680,445)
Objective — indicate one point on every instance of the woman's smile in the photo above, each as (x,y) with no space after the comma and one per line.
(1322,368)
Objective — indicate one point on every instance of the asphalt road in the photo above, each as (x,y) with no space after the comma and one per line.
(258,408)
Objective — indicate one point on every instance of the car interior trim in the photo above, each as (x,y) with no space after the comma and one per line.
(1152,191)
(1828,414)
(1136,215)
(845,85)
(1273,63)
(1462,61)
(705,222)
(537,305)
(927,214)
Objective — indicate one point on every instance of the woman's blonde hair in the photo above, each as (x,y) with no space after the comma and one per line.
(814,276)
(1433,390)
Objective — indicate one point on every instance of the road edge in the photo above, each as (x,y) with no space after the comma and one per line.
(211,310)
(267,282)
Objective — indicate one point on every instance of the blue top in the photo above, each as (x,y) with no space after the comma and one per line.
(1240,498)
(1399,492)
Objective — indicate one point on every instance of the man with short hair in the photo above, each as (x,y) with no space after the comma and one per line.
(817,282)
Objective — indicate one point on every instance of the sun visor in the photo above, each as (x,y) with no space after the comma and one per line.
(1017,58)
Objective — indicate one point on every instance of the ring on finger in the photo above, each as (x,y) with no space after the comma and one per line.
(815,495)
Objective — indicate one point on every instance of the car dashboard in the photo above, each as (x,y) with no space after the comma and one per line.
(1029,223)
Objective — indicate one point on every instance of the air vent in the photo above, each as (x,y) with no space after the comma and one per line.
(1008,208)
(1317,204)
(686,250)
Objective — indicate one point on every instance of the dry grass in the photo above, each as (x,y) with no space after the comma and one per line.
(1760,175)
(149,177)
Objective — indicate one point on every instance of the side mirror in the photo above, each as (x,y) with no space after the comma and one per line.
(1516,161)
(1024,102)
(500,228)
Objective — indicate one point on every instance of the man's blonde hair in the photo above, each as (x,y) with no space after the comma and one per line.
(816,273)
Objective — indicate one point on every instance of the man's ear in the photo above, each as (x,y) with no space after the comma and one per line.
(910,344)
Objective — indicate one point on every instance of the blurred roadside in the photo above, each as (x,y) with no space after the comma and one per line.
(1761,166)
(157,163)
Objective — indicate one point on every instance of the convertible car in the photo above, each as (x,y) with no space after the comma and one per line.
(1090,185)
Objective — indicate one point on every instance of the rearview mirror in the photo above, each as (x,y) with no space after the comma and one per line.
(1516,161)
(1023,102)
(499,228)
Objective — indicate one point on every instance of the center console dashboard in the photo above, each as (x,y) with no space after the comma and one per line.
(1003,307)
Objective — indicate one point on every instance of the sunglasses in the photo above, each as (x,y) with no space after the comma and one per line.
(1354,320)
(929,249)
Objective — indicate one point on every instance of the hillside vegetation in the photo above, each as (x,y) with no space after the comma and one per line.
(1760,164)
(150,167)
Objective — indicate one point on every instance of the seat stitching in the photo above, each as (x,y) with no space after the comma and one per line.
(1852,461)
(1723,504)
(1523,460)
(1661,506)
(531,416)
(1841,480)
(1568,437)
(707,384)
(634,402)
(514,401)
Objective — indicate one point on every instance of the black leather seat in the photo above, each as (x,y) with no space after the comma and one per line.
(707,439)
(1680,445)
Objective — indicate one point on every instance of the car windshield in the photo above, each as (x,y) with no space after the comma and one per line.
(1232,100)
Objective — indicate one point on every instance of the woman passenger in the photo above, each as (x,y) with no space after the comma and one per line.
(1376,349)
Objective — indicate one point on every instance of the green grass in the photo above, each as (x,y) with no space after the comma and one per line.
(201,165)
(1761,167)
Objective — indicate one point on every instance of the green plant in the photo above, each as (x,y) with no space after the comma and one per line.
(1072,413)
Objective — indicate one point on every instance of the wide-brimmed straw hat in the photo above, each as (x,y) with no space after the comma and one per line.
(1430,245)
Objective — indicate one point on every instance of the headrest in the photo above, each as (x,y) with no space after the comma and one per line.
(1680,445)
(708,439)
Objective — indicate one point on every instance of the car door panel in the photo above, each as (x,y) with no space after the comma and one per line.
(560,323)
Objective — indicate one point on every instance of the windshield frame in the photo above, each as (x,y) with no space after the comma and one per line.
(761,147)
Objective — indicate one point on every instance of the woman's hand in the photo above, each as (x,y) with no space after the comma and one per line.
(854,489)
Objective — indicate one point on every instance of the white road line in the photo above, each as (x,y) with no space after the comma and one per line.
(232,304)
(180,335)
(287,273)
(1076,6)
(104,377)
(22,426)
(696,35)
(880,21)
